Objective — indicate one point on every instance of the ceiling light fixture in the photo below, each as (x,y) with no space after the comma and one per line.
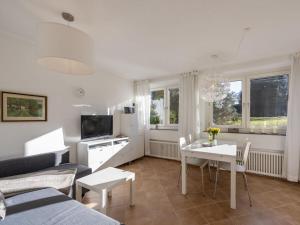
(65,49)
(214,87)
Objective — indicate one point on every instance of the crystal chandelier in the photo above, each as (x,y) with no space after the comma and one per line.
(213,86)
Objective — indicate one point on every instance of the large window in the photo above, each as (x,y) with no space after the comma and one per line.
(157,111)
(268,101)
(173,105)
(164,107)
(254,102)
(229,110)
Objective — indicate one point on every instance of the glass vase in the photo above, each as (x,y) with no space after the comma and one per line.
(214,142)
(210,138)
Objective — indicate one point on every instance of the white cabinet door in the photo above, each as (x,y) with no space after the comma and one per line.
(140,149)
(137,147)
(129,125)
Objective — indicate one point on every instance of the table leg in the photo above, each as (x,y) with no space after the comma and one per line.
(109,193)
(78,192)
(132,190)
(233,185)
(103,201)
(183,174)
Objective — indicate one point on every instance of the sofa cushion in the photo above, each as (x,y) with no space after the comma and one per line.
(82,171)
(50,207)
(11,167)
(2,206)
(61,179)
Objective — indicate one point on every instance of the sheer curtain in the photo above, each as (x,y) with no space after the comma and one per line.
(142,100)
(292,151)
(189,105)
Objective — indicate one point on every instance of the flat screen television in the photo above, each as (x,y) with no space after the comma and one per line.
(93,126)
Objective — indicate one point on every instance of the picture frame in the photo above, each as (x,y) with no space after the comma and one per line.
(19,107)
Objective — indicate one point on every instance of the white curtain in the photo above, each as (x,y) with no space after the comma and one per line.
(189,103)
(292,151)
(142,100)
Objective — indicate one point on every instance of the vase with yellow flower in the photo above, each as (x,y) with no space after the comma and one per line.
(212,133)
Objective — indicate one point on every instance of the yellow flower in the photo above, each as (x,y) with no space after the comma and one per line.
(213,130)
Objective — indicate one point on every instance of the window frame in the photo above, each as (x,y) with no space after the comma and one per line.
(231,79)
(166,124)
(246,81)
(248,102)
(164,117)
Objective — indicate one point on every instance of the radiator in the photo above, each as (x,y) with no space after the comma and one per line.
(259,162)
(265,163)
(164,149)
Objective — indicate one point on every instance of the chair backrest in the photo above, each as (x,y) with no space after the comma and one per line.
(182,143)
(190,138)
(246,152)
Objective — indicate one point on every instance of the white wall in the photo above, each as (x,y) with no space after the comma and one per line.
(19,72)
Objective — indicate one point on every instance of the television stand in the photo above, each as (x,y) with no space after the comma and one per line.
(96,138)
(114,151)
(101,153)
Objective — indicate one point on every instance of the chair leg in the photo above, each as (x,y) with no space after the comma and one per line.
(208,164)
(216,181)
(247,188)
(202,180)
(179,177)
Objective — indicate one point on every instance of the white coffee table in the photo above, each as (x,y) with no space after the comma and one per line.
(103,181)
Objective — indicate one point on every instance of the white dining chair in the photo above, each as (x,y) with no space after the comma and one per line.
(240,168)
(191,138)
(203,163)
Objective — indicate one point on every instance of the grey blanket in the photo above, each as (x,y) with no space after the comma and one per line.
(51,207)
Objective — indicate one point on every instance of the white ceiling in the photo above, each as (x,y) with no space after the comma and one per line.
(139,39)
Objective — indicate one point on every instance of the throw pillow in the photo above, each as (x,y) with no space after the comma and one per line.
(2,206)
(60,179)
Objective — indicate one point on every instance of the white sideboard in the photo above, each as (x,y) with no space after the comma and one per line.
(129,127)
(97,154)
(102,153)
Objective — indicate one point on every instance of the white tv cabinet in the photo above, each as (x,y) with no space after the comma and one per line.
(112,152)
(97,154)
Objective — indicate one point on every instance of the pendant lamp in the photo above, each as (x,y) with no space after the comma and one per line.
(65,49)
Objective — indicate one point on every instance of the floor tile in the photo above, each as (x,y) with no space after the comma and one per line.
(159,200)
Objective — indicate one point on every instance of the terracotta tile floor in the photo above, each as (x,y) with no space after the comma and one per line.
(160,202)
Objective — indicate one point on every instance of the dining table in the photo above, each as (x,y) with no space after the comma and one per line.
(225,151)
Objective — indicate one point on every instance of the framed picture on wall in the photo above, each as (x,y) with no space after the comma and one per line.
(23,107)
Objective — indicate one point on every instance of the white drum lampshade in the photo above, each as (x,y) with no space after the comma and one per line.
(65,49)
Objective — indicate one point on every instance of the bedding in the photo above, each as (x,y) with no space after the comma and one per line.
(51,207)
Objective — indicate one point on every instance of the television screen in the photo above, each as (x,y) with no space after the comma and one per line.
(96,126)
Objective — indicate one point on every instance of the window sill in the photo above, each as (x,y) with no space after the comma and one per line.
(254,133)
(165,128)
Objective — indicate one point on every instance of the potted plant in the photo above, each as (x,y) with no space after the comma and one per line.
(155,120)
(212,133)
